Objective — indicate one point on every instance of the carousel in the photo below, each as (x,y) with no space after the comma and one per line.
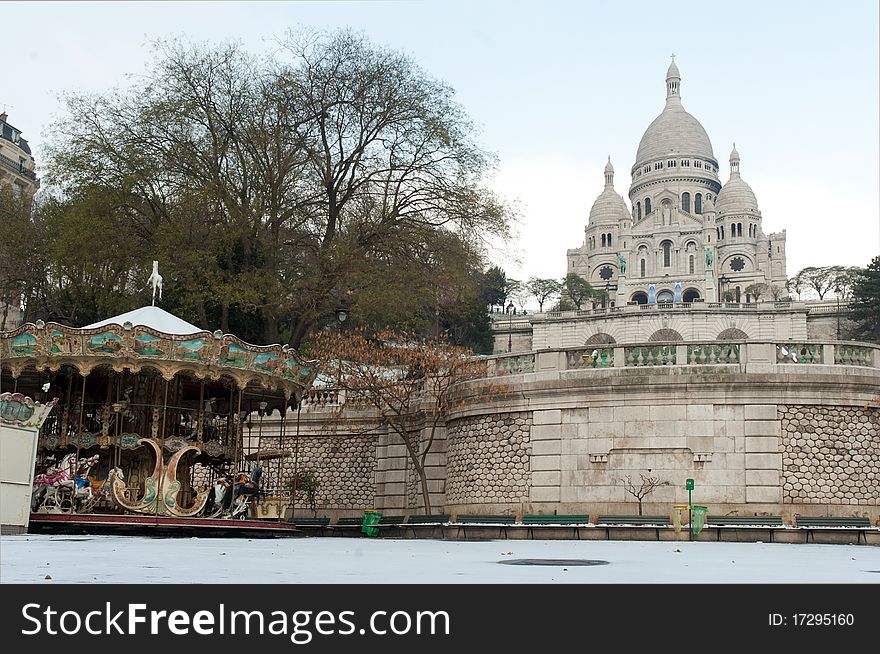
(153,420)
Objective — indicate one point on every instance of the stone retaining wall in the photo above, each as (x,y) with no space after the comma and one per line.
(830,455)
(488,459)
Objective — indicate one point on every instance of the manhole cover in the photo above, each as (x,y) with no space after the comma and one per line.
(556,562)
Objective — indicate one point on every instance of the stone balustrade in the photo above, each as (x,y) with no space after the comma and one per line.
(688,353)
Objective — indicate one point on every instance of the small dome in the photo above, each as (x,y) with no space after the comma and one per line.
(673,71)
(609,208)
(608,167)
(734,155)
(736,196)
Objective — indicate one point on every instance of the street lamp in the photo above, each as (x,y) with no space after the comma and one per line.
(837,294)
(509,311)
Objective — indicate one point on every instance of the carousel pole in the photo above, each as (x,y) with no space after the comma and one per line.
(296,458)
(283,415)
(161,453)
(82,404)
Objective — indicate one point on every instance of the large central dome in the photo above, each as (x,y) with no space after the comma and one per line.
(674,131)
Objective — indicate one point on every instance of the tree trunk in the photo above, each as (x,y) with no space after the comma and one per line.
(640,507)
(423,478)
(224,318)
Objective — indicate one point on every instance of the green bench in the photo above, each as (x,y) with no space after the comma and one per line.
(823,522)
(345,526)
(652,520)
(427,519)
(309,522)
(556,519)
(390,522)
(745,520)
(486,519)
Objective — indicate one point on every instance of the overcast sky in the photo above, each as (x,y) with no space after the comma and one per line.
(555,88)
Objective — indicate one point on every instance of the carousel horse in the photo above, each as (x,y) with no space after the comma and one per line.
(62,487)
(245,491)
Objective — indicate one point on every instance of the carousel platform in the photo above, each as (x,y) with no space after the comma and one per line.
(161,526)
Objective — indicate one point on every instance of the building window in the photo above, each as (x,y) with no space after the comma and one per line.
(642,267)
(670,163)
(686,202)
(609,240)
(647,206)
(647,169)
(698,203)
(737,264)
(698,164)
(667,253)
(686,162)
(738,293)
(605,272)
(691,264)
(603,240)
(638,210)
(658,165)
(721,238)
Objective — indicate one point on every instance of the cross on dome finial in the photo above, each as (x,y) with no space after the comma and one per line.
(673,57)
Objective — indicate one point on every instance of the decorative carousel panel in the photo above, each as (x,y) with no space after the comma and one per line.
(194,349)
(85,440)
(232,354)
(267,362)
(61,343)
(16,408)
(129,441)
(23,345)
(150,343)
(104,343)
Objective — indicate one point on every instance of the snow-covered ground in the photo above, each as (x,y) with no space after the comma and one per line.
(120,559)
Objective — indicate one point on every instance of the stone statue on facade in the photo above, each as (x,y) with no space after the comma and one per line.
(652,294)
(709,258)
(676,292)
(622,262)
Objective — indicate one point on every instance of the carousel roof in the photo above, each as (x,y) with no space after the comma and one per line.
(152,317)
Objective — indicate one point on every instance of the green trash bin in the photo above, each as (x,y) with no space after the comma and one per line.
(698,518)
(371,518)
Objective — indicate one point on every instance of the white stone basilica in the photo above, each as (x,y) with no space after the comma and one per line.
(685,237)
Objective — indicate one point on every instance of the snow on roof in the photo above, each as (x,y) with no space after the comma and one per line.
(153,317)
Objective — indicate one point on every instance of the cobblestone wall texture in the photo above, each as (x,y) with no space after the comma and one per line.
(830,455)
(345,467)
(488,459)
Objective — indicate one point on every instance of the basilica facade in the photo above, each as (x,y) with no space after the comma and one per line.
(684,237)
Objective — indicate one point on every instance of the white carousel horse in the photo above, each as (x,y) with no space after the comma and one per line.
(60,488)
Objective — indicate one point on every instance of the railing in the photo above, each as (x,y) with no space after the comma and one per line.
(799,353)
(649,355)
(852,355)
(17,167)
(713,353)
(691,353)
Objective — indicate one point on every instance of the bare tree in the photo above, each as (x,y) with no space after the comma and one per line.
(647,486)
(406,381)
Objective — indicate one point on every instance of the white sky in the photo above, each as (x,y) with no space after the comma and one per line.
(555,88)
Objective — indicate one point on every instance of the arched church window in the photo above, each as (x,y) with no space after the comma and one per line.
(721,238)
(686,202)
(638,210)
(609,240)
(642,268)
(647,206)
(691,264)
(738,293)
(603,240)
(739,229)
(698,203)
(667,253)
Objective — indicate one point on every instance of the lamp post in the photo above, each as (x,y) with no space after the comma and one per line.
(509,310)
(837,294)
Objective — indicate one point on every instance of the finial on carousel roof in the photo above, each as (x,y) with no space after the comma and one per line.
(156,281)
(609,173)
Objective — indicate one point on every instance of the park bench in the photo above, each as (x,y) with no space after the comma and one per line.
(349,525)
(556,519)
(859,524)
(428,526)
(390,522)
(651,520)
(309,522)
(484,523)
(427,519)
(745,520)
(555,523)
